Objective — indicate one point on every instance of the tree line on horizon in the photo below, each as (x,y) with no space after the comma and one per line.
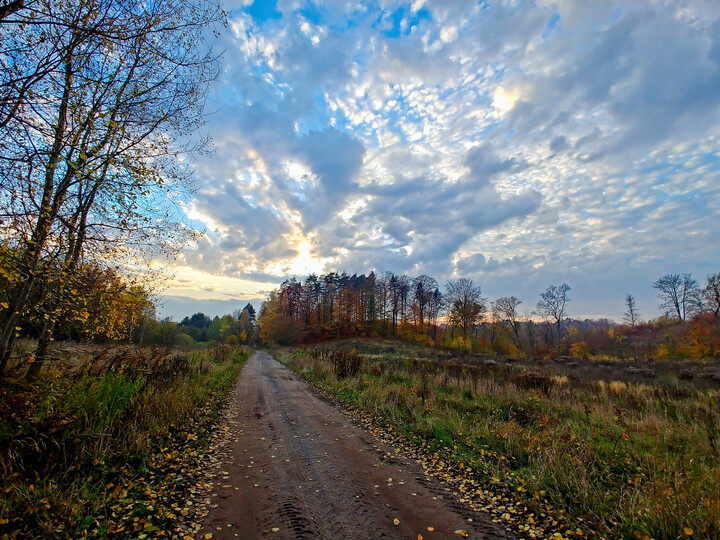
(238,328)
(338,305)
(104,307)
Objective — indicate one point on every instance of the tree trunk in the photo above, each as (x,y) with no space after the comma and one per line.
(41,349)
(41,231)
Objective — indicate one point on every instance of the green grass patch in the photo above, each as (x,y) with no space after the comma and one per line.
(585,457)
(109,446)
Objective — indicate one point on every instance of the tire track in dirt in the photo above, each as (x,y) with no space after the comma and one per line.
(298,468)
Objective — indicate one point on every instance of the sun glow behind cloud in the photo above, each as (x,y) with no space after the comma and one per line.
(504,100)
(516,144)
(303,264)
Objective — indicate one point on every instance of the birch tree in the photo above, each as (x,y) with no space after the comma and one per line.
(90,159)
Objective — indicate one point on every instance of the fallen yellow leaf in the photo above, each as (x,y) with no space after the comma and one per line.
(462,532)
(688,531)
(396,521)
(420,536)
(431,529)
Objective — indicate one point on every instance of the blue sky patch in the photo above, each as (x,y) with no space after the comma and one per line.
(263,10)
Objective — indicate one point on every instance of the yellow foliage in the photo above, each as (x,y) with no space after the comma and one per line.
(580,350)
(461,343)
(95,303)
(663,352)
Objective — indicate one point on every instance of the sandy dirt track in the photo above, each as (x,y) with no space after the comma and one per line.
(298,468)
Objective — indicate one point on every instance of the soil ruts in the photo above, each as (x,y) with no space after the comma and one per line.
(299,469)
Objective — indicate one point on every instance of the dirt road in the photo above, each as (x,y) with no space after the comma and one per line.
(297,467)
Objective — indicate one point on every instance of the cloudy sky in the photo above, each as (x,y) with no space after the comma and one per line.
(517,144)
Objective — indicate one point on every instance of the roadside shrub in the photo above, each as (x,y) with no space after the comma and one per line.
(534,380)
(580,350)
(408,362)
(184,340)
(154,363)
(346,363)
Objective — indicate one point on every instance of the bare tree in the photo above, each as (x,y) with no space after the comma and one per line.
(711,292)
(399,289)
(384,295)
(434,306)
(506,308)
(531,333)
(631,315)
(465,304)
(697,302)
(552,306)
(678,295)
(7,8)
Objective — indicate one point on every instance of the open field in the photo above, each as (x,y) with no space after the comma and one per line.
(108,442)
(597,448)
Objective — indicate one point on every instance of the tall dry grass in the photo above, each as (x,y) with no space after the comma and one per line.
(633,459)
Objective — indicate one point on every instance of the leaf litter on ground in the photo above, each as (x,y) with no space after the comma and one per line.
(482,494)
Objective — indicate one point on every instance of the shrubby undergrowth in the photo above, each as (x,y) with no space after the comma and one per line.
(106,442)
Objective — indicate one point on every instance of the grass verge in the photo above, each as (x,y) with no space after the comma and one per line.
(559,458)
(109,445)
